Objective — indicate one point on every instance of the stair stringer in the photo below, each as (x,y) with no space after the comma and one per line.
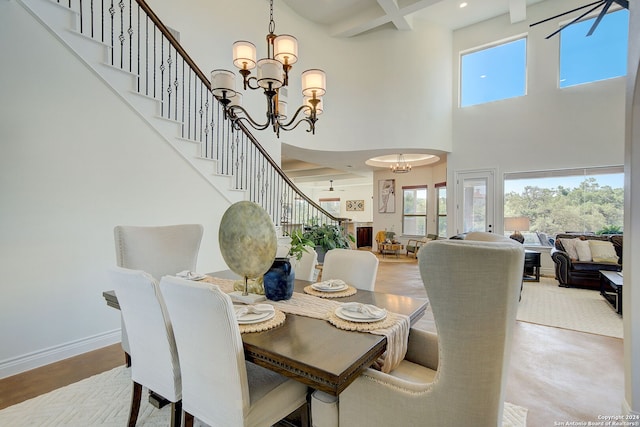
(61,22)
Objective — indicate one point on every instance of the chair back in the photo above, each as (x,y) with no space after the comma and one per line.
(357,268)
(214,375)
(473,289)
(305,267)
(160,251)
(485,236)
(151,340)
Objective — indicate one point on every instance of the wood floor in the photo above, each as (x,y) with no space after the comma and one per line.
(559,375)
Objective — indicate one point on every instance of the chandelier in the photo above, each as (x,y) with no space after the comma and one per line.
(271,76)
(401,165)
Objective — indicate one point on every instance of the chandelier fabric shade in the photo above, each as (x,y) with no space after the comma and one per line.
(223,83)
(314,83)
(285,49)
(244,55)
(272,73)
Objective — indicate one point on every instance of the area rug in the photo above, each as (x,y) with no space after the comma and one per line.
(392,258)
(584,310)
(104,399)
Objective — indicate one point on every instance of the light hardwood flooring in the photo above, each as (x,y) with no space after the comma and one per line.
(559,375)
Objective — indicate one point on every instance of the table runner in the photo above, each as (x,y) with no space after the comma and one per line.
(319,308)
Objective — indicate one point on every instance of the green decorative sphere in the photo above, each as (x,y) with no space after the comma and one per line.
(247,239)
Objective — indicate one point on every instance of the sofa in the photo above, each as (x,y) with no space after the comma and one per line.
(579,258)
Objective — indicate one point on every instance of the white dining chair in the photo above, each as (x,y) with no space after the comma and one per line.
(459,375)
(159,251)
(305,267)
(154,355)
(218,386)
(357,268)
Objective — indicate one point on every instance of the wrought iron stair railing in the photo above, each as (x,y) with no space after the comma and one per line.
(139,43)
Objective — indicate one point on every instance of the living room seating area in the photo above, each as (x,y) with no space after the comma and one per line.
(579,258)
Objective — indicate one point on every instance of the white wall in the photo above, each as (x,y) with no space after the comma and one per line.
(423,175)
(385,89)
(548,128)
(75,162)
(355,192)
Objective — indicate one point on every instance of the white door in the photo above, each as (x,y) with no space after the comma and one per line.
(475,201)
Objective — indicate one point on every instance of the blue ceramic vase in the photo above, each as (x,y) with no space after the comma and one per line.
(278,281)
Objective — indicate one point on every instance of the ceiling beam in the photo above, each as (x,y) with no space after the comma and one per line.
(387,11)
(517,10)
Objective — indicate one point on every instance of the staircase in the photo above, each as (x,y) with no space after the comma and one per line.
(133,53)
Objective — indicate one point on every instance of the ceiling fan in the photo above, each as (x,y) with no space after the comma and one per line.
(605,4)
(331,186)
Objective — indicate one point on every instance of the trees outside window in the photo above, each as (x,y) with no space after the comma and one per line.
(579,200)
(414,210)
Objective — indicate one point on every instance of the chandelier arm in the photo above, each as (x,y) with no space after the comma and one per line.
(234,117)
(312,118)
(289,126)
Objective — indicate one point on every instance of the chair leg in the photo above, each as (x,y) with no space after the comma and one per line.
(176,413)
(136,396)
(188,419)
(127,360)
(304,415)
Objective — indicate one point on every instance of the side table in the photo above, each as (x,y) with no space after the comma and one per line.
(391,248)
(531,266)
(611,288)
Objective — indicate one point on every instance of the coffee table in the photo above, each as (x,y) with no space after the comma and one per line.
(391,248)
(611,288)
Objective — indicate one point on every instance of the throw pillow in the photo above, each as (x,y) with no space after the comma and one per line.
(602,251)
(584,251)
(569,246)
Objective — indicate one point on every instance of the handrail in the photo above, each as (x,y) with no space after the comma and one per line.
(167,73)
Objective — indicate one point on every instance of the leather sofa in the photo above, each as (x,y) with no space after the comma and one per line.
(571,271)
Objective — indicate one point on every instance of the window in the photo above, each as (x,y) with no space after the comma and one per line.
(494,73)
(589,200)
(602,55)
(414,211)
(441,225)
(331,205)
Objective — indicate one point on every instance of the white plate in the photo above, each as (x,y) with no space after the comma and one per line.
(255,317)
(319,287)
(354,316)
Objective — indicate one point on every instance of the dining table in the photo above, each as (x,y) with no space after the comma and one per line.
(312,350)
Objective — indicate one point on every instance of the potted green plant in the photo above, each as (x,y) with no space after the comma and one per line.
(299,244)
(326,237)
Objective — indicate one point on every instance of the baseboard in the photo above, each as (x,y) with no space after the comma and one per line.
(49,355)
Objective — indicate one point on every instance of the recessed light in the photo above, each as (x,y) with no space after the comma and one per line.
(463,4)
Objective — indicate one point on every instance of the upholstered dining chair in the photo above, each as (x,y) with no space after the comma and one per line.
(159,251)
(357,268)
(218,386)
(154,355)
(457,376)
(305,267)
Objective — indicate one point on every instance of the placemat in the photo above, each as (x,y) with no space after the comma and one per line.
(274,322)
(339,294)
(387,322)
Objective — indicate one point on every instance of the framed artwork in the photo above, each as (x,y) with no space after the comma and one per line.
(387,196)
(355,205)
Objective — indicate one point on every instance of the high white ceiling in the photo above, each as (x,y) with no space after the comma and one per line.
(349,18)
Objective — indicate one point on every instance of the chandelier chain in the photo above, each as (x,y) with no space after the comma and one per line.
(272,23)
